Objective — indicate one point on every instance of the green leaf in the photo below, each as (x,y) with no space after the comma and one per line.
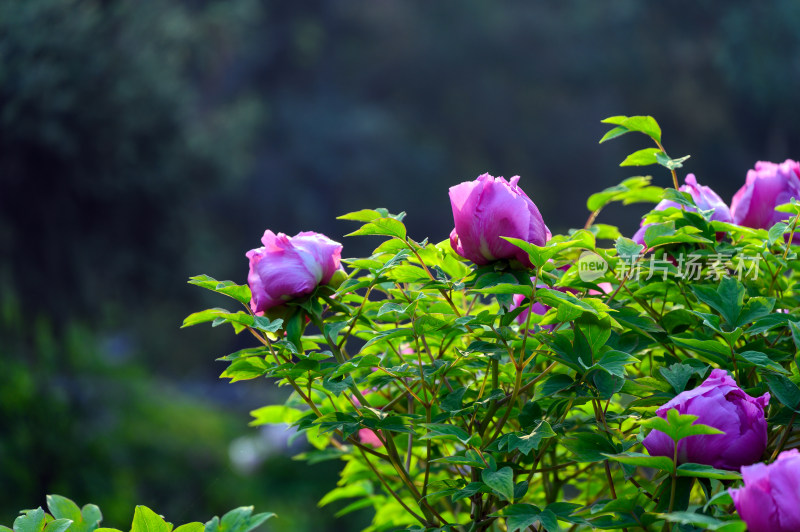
(63,508)
(554,298)
(705,471)
(784,390)
(238,520)
(678,375)
(776,232)
(245,369)
(589,447)
(632,190)
(58,525)
(364,215)
(713,350)
(445,432)
(642,124)
(31,521)
(520,516)
(204,316)
(539,255)
(723,498)
(627,249)
(275,414)
(761,360)
(703,521)
(240,293)
(501,482)
(384,227)
(191,527)
(614,362)
(795,328)
(643,460)
(469,490)
(668,163)
(523,442)
(643,157)
(678,426)
(727,298)
(146,520)
(264,324)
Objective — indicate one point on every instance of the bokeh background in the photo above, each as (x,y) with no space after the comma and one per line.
(144,141)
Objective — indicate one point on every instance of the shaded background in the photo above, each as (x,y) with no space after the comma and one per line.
(142,142)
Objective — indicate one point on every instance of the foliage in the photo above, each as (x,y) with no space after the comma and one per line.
(66,516)
(482,418)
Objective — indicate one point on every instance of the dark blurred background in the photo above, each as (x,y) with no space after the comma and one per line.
(144,141)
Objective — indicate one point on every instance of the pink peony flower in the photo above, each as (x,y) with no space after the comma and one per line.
(290,267)
(719,403)
(489,208)
(768,185)
(769,501)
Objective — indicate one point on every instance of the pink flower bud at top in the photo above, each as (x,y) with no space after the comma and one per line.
(769,501)
(489,208)
(290,267)
(720,403)
(767,186)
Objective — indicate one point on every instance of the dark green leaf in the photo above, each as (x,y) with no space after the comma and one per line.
(500,481)
(784,390)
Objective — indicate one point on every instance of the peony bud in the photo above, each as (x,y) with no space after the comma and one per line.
(719,403)
(290,267)
(489,208)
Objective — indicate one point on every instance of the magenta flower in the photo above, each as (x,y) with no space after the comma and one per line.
(767,186)
(719,403)
(289,267)
(705,198)
(769,501)
(489,208)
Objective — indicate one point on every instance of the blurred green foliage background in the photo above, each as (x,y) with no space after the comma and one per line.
(144,141)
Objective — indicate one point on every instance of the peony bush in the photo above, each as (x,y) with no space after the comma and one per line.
(510,379)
